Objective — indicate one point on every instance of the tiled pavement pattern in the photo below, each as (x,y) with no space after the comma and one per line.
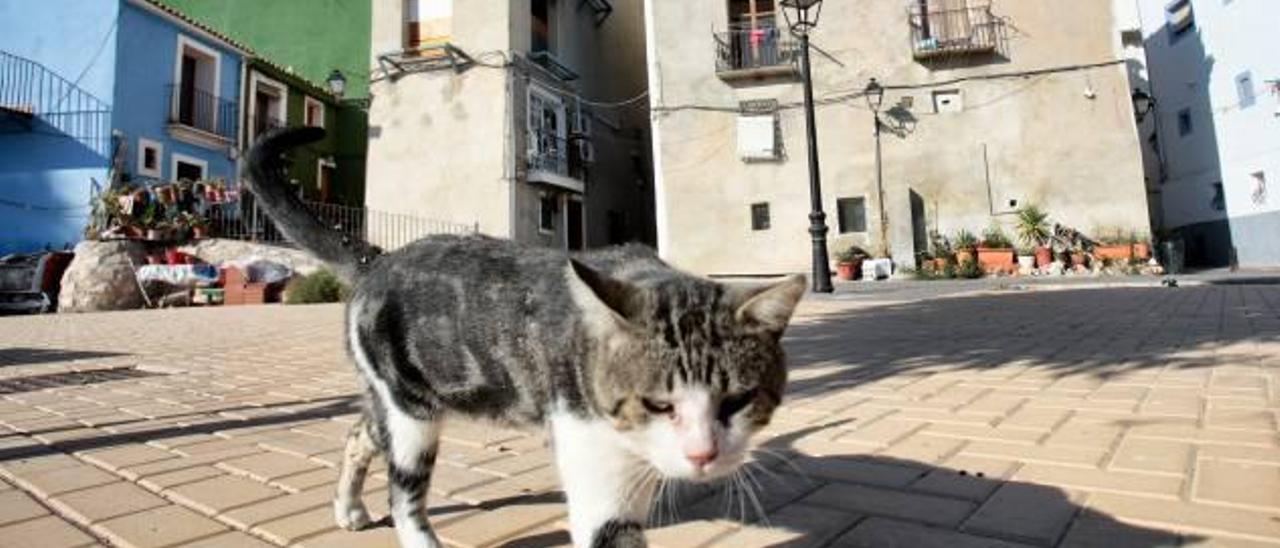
(1105,417)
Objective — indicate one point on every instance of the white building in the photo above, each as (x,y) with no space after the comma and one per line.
(1215,131)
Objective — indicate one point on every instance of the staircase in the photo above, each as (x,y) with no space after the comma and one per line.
(36,99)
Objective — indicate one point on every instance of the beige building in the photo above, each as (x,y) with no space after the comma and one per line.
(989,106)
(526,117)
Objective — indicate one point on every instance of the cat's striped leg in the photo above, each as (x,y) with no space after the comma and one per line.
(348,509)
(608,489)
(411,456)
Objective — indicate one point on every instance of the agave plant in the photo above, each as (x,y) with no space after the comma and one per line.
(1033,225)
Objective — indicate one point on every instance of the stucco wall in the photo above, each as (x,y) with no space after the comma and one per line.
(1064,140)
(148,50)
(45,168)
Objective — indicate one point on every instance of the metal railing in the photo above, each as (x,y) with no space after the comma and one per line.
(244,220)
(755,48)
(199,109)
(554,154)
(959,31)
(41,100)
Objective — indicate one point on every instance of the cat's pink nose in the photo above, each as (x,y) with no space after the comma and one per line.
(703,458)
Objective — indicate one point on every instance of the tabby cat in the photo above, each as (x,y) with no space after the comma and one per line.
(641,371)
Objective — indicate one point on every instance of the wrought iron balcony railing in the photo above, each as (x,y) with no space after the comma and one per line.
(952,32)
(198,109)
(755,53)
(551,153)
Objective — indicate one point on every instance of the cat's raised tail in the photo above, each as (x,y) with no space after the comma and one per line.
(267,176)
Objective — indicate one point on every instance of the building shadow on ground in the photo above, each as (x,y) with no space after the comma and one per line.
(33,356)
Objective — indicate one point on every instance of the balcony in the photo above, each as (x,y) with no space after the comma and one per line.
(939,33)
(756,54)
(200,117)
(557,161)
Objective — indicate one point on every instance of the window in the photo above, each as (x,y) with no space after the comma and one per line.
(314,115)
(947,101)
(760,216)
(326,169)
(549,207)
(757,137)
(186,168)
(1219,202)
(852,213)
(1244,89)
(1180,18)
(543,14)
(149,157)
(752,14)
(1259,194)
(1184,122)
(427,22)
(267,109)
(547,132)
(197,79)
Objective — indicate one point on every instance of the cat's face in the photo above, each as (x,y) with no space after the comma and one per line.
(690,371)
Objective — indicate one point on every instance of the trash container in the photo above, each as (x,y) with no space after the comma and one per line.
(1173,255)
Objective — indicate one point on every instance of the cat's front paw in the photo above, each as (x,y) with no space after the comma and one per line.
(352,517)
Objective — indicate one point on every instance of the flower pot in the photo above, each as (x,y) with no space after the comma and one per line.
(995,260)
(1119,252)
(848,270)
(939,264)
(1044,256)
(199,232)
(1077,258)
(1142,250)
(1026,263)
(964,256)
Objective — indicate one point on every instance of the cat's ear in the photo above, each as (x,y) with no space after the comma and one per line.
(607,302)
(769,307)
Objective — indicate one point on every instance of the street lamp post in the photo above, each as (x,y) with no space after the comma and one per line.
(874,93)
(337,83)
(802,16)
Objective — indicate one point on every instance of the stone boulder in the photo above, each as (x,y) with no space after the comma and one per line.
(218,251)
(102,278)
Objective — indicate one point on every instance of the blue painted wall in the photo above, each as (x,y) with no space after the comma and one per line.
(148,56)
(45,174)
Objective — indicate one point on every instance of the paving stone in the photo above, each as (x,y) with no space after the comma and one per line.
(106,501)
(292,528)
(164,526)
(1182,431)
(160,482)
(1100,480)
(1079,456)
(45,532)
(487,528)
(1189,517)
(16,506)
(924,448)
(891,503)
(1034,514)
(231,539)
(268,466)
(263,511)
(867,470)
(890,533)
(1238,483)
(1093,529)
(115,458)
(376,537)
(62,480)
(1152,456)
(881,433)
(965,477)
(688,534)
(218,494)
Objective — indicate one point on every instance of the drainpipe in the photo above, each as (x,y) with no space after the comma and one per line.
(241,118)
(655,130)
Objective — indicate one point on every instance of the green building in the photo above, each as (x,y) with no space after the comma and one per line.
(300,44)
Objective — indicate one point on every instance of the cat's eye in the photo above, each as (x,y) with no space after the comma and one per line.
(657,407)
(731,405)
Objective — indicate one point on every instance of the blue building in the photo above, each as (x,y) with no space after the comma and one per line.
(88,85)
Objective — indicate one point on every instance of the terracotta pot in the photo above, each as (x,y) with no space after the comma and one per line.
(996,260)
(964,256)
(1044,256)
(1142,250)
(1077,258)
(1120,252)
(848,270)
(939,264)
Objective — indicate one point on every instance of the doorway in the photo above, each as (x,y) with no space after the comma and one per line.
(573,224)
(919,226)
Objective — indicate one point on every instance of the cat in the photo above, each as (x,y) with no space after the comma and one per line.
(641,371)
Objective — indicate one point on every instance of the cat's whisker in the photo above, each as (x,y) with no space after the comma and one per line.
(781,457)
(749,487)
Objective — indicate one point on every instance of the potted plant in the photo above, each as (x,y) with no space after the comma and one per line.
(849,262)
(1078,258)
(1114,246)
(199,226)
(964,243)
(1033,230)
(995,253)
(150,222)
(1141,246)
(1026,259)
(942,250)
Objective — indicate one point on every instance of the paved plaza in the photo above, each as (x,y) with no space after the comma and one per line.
(1125,417)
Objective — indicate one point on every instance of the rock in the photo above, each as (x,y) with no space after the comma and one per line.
(102,278)
(217,251)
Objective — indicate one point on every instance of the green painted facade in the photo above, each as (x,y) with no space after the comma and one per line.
(311,38)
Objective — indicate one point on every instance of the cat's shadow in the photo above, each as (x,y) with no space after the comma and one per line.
(876,501)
